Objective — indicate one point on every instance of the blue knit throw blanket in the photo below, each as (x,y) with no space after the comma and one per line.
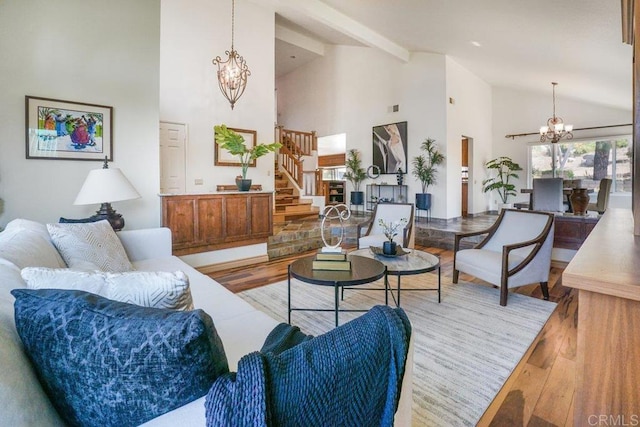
(350,376)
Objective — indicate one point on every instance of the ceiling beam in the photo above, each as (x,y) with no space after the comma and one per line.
(292,37)
(338,21)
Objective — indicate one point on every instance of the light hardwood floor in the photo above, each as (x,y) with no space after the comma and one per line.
(541,395)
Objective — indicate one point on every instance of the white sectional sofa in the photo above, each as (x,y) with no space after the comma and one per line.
(241,327)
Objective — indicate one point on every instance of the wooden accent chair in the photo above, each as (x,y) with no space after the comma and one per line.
(603,197)
(515,252)
(374,236)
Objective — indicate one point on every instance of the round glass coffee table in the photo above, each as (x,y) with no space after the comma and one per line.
(363,270)
(416,262)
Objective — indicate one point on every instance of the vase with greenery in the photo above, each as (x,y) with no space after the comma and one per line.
(355,175)
(425,168)
(233,142)
(505,170)
(390,231)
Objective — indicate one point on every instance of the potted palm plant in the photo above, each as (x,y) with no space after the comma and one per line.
(505,169)
(425,169)
(355,175)
(233,142)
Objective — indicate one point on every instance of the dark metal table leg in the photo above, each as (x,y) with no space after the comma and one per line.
(386,288)
(289,292)
(337,292)
(439,288)
(398,305)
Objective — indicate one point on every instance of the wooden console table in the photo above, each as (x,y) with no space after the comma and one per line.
(572,230)
(206,222)
(606,271)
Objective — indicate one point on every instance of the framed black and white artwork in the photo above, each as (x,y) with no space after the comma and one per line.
(390,147)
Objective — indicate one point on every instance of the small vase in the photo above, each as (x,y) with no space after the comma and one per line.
(389,248)
(243,184)
(579,201)
(399,176)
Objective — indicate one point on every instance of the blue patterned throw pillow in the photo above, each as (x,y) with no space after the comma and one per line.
(109,363)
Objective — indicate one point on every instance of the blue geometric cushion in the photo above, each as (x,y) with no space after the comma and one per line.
(108,363)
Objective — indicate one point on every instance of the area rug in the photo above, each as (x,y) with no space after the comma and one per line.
(465,348)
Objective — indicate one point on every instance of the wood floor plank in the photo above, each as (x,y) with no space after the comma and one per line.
(518,408)
(557,395)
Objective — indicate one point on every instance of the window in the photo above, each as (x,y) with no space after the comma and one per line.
(589,161)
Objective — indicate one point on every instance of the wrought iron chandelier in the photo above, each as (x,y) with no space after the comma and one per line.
(232,73)
(555,129)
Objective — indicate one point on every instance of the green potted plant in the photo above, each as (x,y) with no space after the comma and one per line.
(505,169)
(425,169)
(233,142)
(355,175)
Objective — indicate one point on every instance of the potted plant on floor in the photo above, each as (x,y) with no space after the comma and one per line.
(233,142)
(355,175)
(425,169)
(505,169)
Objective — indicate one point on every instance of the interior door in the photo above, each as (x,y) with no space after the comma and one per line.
(465,178)
(173,141)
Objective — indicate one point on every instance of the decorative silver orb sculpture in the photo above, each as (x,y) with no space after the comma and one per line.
(340,212)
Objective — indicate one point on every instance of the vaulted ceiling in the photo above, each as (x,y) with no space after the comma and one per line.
(507,43)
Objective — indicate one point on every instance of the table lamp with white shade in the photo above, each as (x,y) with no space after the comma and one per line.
(105,186)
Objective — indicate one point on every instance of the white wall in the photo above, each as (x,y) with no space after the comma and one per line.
(192,34)
(85,51)
(517,112)
(351,89)
(469,116)
(90,51)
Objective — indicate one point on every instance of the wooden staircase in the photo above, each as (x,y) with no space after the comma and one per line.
(288,205)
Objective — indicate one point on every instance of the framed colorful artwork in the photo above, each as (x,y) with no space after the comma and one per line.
(390,147)
(223,158)
(67,130)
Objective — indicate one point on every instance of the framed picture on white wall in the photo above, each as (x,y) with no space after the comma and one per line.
(68,130)
(223,158)
(390,147)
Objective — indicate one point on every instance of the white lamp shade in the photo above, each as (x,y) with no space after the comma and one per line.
(105,186)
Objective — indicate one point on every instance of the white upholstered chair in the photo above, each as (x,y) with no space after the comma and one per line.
(515,252)
(547,195)
(389,212)
(602,201)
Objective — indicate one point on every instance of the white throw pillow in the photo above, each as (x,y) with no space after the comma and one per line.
(28,248)
(90,246)
(146,288)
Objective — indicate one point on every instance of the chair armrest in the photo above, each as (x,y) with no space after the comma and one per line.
(361,225)
(463,235)
(406,234)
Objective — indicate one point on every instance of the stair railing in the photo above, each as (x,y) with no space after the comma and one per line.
(304,142)
(290,163)
(295,144)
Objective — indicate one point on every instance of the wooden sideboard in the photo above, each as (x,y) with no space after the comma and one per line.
(206,222)
(572,230)
(606,271)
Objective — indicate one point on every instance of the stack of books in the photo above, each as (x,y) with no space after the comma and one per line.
(336,261)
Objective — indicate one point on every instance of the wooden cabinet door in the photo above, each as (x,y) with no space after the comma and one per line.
(236,213)
(261,215)
(210,220)
(178,215)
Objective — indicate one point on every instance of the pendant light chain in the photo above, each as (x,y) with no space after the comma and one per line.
(233,21)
